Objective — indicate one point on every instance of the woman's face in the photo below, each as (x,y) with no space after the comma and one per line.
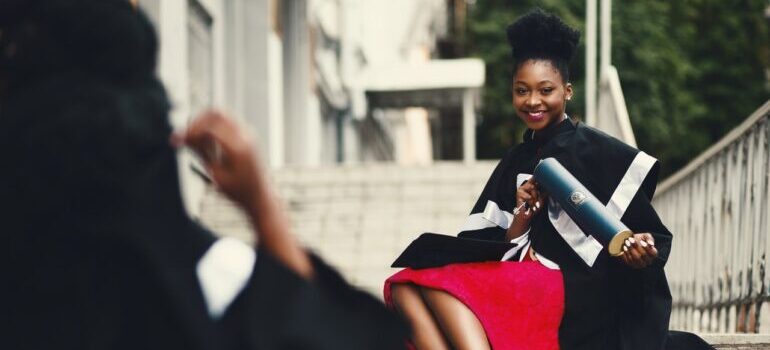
(540,94)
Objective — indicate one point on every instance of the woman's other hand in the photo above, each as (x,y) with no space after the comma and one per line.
(529,201)
(639,250)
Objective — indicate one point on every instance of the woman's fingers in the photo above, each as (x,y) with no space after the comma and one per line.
(637,245)
(528,192)
(202,136)
(639,251)
(630,248)
(628,259)
(523,197)
(528,199)
(647,243)
(214,127)
(647,237)
(634,255)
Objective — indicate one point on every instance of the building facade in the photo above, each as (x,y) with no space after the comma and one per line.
(320,81)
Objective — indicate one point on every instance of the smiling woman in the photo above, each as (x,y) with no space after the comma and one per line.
(558,288)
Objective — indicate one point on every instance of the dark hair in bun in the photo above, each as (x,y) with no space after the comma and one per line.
(543,36)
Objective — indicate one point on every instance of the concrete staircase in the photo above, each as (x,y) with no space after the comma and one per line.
(738,341)
(359,218)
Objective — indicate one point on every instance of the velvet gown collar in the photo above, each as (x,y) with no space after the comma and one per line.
(542,137)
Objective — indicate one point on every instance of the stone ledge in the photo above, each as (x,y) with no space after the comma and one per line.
(737,341)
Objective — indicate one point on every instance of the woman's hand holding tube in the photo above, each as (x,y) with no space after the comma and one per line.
(529,201)
(232,162)
(639,251)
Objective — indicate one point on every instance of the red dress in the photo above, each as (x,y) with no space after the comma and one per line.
(519,304)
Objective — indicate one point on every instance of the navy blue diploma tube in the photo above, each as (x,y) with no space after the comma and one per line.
(584,209)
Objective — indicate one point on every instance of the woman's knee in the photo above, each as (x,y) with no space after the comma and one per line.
(404,294)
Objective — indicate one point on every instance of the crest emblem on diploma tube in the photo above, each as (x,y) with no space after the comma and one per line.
(577,198)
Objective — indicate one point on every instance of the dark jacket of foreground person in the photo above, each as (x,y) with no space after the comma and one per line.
(101,253)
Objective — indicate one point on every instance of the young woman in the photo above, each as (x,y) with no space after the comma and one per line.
(559,288)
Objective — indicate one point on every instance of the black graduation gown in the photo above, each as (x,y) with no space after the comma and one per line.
(608,304)
(113,291)
(102,255)
(98,250)
(118,270)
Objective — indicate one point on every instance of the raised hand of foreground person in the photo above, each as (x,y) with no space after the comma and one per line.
(228,154)
(232,162)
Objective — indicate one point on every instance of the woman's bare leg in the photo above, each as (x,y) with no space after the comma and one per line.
(426,333)
(457,321)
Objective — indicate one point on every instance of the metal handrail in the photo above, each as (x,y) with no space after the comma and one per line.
(760,113)
(718,207)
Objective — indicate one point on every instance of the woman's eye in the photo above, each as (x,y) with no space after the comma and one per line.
(546,91)
(521,91)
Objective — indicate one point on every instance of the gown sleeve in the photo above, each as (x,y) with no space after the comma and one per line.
(491,215)
(644,302)
(280,310)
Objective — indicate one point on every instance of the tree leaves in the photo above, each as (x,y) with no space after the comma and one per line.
(690,70)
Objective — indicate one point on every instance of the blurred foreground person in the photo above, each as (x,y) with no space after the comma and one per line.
(101,253)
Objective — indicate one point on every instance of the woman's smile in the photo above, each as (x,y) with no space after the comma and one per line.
(536,116)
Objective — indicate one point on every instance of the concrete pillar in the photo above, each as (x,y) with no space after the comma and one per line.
(301,133)
(591,75)
(606,35)
(254,74)
(469,127)
(170,17)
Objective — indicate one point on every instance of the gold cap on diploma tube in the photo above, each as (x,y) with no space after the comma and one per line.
(615,248)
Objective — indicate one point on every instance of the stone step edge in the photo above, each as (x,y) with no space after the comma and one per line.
(735,339)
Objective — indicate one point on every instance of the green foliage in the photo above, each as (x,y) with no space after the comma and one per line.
(499,128)
(691,70)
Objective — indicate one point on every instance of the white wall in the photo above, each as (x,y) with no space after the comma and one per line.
(171,22)
(302,116)
(395,32)
(254,74)
(266,78)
